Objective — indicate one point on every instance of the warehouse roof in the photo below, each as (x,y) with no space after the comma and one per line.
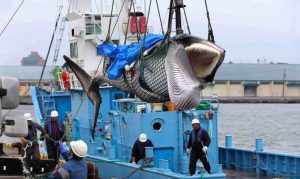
(25,73)
(258,72)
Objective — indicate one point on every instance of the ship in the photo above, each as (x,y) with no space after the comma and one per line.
(123,116)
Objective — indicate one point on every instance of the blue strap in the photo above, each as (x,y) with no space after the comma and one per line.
(31,133)
(50,127)
(199,134)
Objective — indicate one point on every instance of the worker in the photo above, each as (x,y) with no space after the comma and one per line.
(76,167)
(56,73)
(138,150)
(92,169)
(55,128)
(32,150)
(66,79)
(197,146)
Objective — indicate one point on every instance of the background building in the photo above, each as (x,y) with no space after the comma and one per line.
(27,75)
(34,59)
(255,80)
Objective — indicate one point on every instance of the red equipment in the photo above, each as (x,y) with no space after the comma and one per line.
(133,24)
(143,24)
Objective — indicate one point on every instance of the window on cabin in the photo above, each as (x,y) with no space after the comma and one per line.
(74,50)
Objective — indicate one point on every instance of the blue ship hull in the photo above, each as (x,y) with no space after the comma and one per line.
(111,150)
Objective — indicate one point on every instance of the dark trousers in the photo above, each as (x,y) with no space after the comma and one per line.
(33,152)
(1,149)
(52,150)
(195,155)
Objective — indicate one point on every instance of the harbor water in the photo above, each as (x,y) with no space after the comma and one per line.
(277,124)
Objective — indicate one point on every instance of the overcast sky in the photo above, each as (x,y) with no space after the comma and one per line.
(247,29)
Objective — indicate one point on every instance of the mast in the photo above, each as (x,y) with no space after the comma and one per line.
(178,5)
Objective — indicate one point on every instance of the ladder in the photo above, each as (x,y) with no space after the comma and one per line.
(59,34)
(47,105)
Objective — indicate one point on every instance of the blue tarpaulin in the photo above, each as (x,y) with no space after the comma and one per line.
(125,54)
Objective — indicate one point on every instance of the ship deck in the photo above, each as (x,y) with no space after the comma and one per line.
(230,174)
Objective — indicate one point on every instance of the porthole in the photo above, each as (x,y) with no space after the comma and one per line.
(157,125)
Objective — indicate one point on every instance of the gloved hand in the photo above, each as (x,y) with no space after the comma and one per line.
(204,149)
(57,143)
(64,144)
(133,163)
(188,151)
(61,148)
(24,141)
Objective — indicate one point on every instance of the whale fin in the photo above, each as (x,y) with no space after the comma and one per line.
(90,86)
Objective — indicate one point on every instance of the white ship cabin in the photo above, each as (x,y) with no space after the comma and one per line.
(89,23)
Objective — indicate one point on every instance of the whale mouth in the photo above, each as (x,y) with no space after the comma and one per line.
(202,58)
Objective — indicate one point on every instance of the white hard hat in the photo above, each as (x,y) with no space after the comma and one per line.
(79,148)
(195,121)
(54,113)
(27,116)
(143,137)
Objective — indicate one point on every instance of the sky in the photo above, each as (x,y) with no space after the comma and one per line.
(248,30)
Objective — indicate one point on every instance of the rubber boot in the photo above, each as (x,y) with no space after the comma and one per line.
(1,150)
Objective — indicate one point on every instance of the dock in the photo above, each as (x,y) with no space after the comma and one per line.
(259,99)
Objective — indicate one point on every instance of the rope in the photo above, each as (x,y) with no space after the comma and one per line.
(109,26)
(35,140)
(82,100)
(253,159)
(165,16)
(187,22)
(143,46)
(145,164)
(210,30)
(49,48)
(117,19)
(277,173)
(126,34)
(136,25)
(11,18)
(202,175)
(96,4)
(161,24)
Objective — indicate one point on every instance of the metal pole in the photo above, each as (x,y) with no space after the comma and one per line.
(283,85)
(178,6)
(1,132)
